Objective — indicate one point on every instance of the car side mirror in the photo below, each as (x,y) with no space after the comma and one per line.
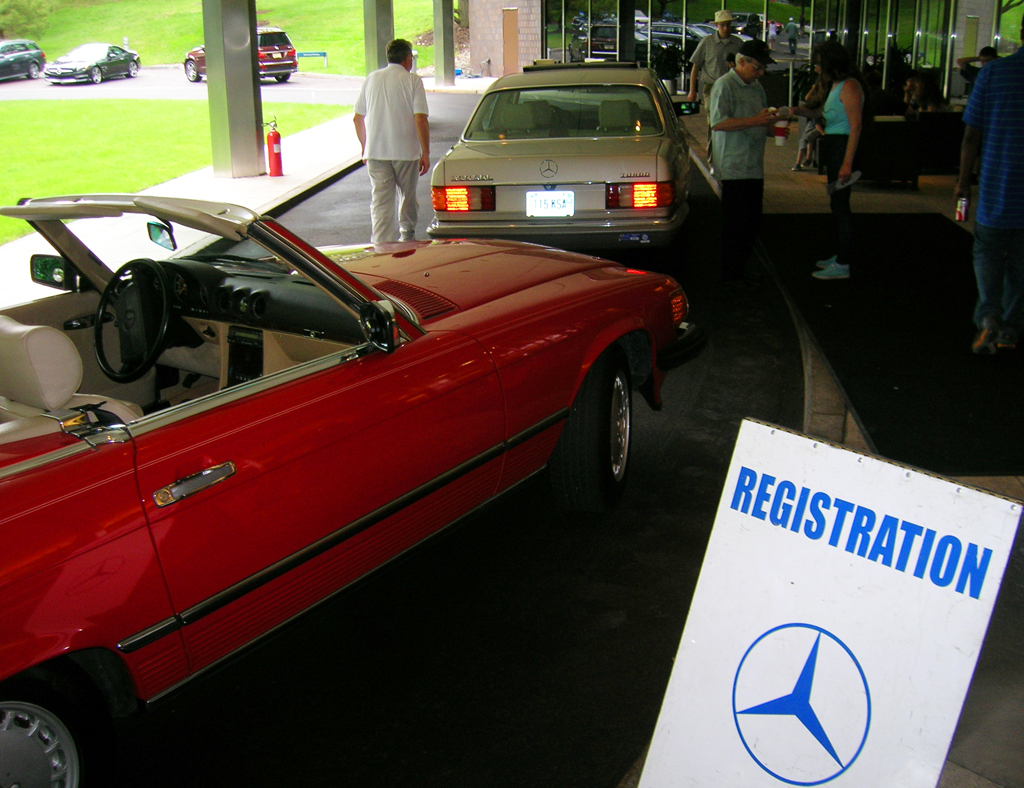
(377,319)
(51,270)
(687,108)
(162,235)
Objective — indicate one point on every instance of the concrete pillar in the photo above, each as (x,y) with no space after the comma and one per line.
(378,30)
(444,42)
(236,110)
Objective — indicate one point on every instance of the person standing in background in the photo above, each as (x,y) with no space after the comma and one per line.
(792,33)
(740,122)
(994,131)
(393,130)
(709,62)
(843,113)
(969,71)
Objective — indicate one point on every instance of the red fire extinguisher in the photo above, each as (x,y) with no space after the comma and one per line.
(274,149)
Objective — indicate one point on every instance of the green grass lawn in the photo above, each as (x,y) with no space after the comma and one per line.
(101,145)
(162,31)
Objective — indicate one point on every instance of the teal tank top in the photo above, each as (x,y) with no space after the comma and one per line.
(836,120)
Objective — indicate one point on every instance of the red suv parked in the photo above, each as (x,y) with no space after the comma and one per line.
(277,57)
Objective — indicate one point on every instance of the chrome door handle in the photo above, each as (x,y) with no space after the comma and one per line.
(190,485)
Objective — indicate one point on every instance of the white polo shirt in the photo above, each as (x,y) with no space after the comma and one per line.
(390,98)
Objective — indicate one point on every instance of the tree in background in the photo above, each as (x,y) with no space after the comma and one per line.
(25,18)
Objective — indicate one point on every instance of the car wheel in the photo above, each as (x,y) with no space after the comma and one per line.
(95,75)
(191,71)
(588,468)
(48,737)
(283,77)
(133,69)
(33,71)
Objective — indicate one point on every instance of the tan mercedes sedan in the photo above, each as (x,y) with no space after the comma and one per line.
(578,156)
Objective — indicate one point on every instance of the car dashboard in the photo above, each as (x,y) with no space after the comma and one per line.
(250,318)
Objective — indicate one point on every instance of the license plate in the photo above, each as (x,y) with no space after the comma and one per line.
(550,203)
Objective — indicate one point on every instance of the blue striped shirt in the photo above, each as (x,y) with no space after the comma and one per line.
(996,108)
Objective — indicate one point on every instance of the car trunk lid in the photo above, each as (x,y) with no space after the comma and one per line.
(554,162)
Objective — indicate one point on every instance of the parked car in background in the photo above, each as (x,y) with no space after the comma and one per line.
(578,156)
(93,63)
(276,56)
(604,44)
(20,57)
(270,423)
(666,33)
(747,23)
(708,29)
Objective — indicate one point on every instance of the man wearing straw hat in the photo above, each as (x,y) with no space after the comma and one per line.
(709,60)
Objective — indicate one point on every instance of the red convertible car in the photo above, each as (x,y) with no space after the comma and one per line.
(199,444)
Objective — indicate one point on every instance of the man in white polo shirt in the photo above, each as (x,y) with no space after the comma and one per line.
(392,127)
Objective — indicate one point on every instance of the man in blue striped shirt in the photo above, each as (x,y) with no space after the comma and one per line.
(994,131)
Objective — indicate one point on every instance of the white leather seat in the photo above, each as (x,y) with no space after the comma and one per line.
(40,372)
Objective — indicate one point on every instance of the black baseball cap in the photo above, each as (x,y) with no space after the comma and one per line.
(758,50)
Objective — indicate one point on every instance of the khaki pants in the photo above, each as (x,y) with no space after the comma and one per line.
(706,93)
(387,177)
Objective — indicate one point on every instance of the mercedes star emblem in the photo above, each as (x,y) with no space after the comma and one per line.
(548,168)
(801,704)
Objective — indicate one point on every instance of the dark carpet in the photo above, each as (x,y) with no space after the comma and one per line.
(897,334)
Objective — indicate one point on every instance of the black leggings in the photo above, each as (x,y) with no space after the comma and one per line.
(833,151)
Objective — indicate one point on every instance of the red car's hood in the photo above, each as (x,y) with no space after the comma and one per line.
(465,273)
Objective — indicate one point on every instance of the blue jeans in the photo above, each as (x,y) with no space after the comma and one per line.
(999,271)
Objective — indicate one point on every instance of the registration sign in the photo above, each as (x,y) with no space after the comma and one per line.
(836,623)
(550,203)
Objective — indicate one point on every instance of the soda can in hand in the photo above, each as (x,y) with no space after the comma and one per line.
(961,209)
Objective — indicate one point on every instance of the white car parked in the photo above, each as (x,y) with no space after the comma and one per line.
(578,156)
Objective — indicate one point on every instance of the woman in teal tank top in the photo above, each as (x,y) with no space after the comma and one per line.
(843,112)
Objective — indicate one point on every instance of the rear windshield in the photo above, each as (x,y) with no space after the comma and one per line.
(274,40)
(566,111)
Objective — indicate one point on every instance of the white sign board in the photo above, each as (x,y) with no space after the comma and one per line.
(836,623)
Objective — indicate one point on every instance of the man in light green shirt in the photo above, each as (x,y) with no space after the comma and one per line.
(708,58)
(740,119)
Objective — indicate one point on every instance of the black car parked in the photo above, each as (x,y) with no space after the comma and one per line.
(20,57)
(666,33)
(93,63)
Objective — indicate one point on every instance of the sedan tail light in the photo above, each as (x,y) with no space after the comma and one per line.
(462,198)
(639,195)
(680,307)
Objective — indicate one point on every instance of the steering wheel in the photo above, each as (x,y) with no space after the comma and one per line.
(140,296)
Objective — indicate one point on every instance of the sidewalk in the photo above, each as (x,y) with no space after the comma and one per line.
(310,158)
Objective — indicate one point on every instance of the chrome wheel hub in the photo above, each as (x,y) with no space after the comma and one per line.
(36,749)
(620,425)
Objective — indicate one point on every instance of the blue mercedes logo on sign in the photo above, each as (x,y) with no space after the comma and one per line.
(801,704)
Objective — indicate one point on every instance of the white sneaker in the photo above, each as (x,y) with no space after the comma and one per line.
(834,271)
